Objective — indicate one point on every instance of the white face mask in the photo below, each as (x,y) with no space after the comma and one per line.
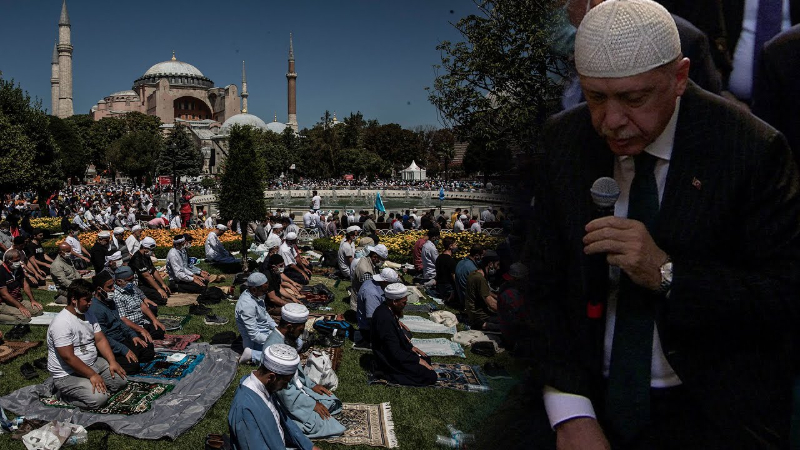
(16,265)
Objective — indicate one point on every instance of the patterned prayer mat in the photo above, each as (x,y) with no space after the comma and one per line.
(366,425)
(135,398)
(159,367)
(175,342)
(439,347)
(417,324)
(11,349)
(172,323)
(181,299)
(459,377)
(335,353)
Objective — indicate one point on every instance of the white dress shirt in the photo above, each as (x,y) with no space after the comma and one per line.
(562,406)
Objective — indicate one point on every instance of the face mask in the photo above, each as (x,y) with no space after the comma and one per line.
(16,265)
(477,261)
(129,287)
(279,270)
(491,271)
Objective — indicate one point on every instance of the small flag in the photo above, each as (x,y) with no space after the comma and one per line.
(379,203)
(441,194)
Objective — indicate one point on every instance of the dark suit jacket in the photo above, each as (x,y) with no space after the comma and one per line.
(392,349)
(729,220)
(777,91)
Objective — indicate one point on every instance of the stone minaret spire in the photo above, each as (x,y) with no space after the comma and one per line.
(291,78)
(54,81)
(244,90)
(64,64)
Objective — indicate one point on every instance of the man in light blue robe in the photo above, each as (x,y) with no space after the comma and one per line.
(252,319)
(309,405)
(256,421)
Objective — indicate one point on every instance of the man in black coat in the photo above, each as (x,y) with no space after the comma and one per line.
(398,361)
(713,269)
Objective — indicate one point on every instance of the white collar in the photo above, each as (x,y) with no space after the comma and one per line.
(661,148)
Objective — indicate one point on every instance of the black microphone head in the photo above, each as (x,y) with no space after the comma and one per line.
(605,192)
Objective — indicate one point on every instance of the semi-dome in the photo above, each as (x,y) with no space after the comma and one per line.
(242,119)
(276,127)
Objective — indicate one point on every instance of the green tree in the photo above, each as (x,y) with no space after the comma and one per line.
(28,154)
(72,153)
(495,85)
(395,144)
(242,182)
(443,147)
(180,157)
(135,154)
(487,157)
(353,132)
(363,163)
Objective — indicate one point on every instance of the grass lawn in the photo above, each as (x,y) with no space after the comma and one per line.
(419,413)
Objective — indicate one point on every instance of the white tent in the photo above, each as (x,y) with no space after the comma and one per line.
(413,173)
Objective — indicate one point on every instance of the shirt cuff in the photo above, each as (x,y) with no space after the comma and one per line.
(561,406)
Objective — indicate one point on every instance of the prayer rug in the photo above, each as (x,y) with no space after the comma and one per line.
(11,349)
(459,377)
(181,299)
(135,398)
(159,367)
(172,323)
(366,425)
(44,319)
(175,342)
(421,307)
(439,347)
(417,324)
(335,353)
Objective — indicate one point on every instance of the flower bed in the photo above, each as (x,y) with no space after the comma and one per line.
(401,245)
(163,238)
(51,224)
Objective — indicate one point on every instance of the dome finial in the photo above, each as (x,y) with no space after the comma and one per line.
(276,118)
(173,56)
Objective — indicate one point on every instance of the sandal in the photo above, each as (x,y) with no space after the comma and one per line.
(28,371)
(214,441)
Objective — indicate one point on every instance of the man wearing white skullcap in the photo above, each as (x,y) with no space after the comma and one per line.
(216,253)
(308,404)
(117,244)
(181,277)
(702,185)
(369,297)
(133,241)
(252,318)
(255,420)
(397,360)
(292,267)
(99,250)
(369,265)
(347,250)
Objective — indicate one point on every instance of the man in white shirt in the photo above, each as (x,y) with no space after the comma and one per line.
(216,253)
(209,223)
(175,223)
(78,252)
(74,340)
(289,255)
(347,250)
(315,201)
(133,243)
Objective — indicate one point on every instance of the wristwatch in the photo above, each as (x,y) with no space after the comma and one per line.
(666,276)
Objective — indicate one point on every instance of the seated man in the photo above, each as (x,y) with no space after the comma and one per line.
(369,297)
(282,289)
(481,302)
(74,339)
(129,349)
(63,272)
(429,255)
(188,263)
(308,404)
(216,253)
(274,238)
(77,251)
(99,250)
(12,284)
(292,268)
(252,319)
(35,250)
(117,244)
(255,420)
(347,250)
(397,360)
(369,264)
(134,240)
(446,271)
(133,307)
(181,278)
(148,279)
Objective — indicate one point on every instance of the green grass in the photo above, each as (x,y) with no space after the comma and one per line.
(419,413)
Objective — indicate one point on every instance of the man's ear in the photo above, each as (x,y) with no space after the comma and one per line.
(682,75)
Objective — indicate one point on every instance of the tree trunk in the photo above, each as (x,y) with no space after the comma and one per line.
(244,224)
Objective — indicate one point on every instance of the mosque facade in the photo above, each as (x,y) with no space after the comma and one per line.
(175,91)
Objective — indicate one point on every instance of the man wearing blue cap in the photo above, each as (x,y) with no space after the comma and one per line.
(133,309)
(252,319)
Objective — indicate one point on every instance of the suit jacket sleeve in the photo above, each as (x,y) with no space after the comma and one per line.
(387,333)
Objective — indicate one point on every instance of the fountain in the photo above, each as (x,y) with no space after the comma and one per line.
(334,196)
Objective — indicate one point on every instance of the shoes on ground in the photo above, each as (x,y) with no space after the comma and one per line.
(18,332)
(199,310)
(215,320)
(495,371)
(40,363)
(28,371)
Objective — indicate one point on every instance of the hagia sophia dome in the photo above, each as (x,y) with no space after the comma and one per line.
(242,119)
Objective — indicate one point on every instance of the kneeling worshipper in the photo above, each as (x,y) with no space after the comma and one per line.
(188,263)
(256,421)
(74,339)
(308,404)
(99,250)
(118,244)
(133,307)
(369,297)
(252,319)
(12,284)
(282,289)
(294,270)
(148,279)
(128,347)
(216,253)
(181,278)
(398,361)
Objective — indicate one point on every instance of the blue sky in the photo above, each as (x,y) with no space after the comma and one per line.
(372,56)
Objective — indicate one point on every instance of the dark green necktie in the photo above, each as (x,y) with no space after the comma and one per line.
(628,400)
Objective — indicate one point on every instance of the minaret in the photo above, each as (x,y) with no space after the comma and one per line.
(244,90)
(64,64)
(54,81)
(291,78)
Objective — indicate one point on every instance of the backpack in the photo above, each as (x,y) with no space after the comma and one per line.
(337,329)
(330,258)
(211,296)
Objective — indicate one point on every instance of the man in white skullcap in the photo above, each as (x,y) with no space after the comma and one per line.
(99,250)
(274,238)
(347,250)
(256,421)
(289,253)
(369,265)
(216,253)
(118,244)
(397,360)
(181,277)
(133,241)
(252,318)
(695,356)
(307,403)
(369,297)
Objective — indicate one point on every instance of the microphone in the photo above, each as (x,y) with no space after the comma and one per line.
(605,192)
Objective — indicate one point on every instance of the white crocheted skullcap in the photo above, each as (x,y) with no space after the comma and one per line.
(387,274)
(222,227)
(136,228)
(256,279)
(622,38)
(116,256)
(280,359)
(103,235)
(119,230)
(395,291)
(148,242)
(291,236)
(294,313)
